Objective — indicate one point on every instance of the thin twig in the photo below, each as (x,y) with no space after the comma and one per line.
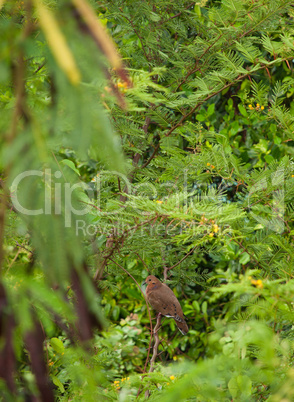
(155,348)
(156,344)
(152,156)
(113,243)
(166,269)
(177,15)
(143,262)
(139,37)
(200,57)
(40,68)
(17,254)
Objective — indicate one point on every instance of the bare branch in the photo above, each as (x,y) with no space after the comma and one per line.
(155,348)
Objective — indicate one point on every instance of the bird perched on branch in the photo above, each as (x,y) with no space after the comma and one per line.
(164,301)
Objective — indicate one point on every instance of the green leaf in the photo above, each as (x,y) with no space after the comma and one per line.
(201,117)
(240,385)
(133,293)
(258,227)
(71,165)
(244,384)
(58,383)
(115,313)
(204,307)
(244,259)
(210,109)
(233,387)
(57,345)
(242,110)
(196,306)
(107,308)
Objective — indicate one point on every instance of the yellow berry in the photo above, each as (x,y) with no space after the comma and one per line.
(208,164)
(211,235)
(172,377)
(257,105)
(262,108)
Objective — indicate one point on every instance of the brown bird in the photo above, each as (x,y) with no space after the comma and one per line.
(164,301)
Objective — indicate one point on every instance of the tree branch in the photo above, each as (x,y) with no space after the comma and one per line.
(166,269)
(155,348)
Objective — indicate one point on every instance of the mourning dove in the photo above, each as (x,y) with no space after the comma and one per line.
(164,301)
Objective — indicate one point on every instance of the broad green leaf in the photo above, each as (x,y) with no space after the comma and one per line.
(244,384)
(115,313)
(71,165)
(244,259)
(242,109)
(58,383)
(57,345)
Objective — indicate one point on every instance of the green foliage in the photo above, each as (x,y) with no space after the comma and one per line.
(203,198)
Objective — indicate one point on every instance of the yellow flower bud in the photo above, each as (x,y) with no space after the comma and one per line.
(215,228)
